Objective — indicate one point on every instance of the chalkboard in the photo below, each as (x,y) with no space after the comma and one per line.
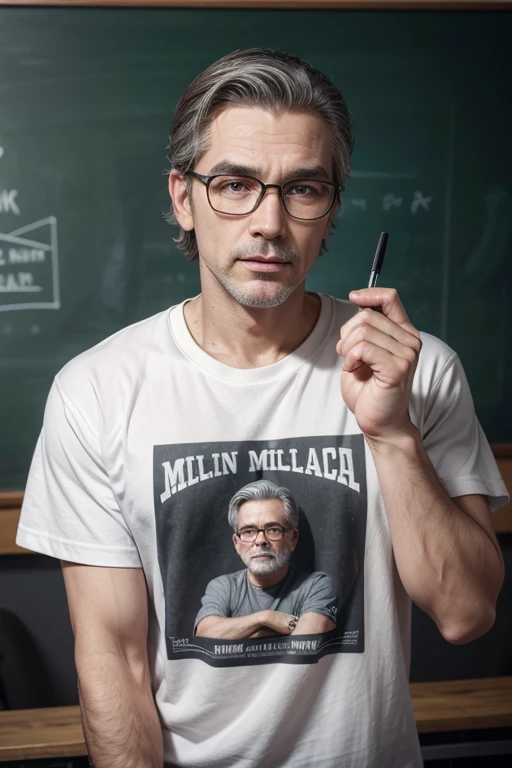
(86,98)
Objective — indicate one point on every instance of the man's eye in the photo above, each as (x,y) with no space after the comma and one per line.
(301,189)
(249,532)
(234,186)
(275,529)
(306,190)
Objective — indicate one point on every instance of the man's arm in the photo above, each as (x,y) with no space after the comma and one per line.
(445,550)
(311,623)
(243,627)
(109,615)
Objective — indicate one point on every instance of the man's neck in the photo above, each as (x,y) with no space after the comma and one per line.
(267,580)
(244,337)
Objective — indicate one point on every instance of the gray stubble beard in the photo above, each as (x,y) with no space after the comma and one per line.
(269,566)
(259,302)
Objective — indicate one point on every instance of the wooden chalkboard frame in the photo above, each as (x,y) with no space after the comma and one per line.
(372,5)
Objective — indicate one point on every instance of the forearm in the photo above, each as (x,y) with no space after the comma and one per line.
(120,721)
(311,623)
(449,565)
(238,628)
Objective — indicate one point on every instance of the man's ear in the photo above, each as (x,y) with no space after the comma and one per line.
(295,538)
(181,202)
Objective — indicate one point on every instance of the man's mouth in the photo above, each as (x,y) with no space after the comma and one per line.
(260,264)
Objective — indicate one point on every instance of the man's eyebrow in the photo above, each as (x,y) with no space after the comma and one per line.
(318,172)
(225,167)
(267,525)
(234,168)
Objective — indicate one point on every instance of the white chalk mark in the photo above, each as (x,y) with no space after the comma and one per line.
(390,201)
(34,225)
(23,282)
(1,151)
(420,201)
(28,305)
(55,261)
(22,241)
(7,202)
(25,289)
(381,175)
(35,329)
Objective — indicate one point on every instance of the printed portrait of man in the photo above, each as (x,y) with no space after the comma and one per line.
(269,597)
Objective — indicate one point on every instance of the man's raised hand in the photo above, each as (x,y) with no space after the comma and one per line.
(380,353)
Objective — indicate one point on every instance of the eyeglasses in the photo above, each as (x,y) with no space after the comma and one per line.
(306,199)
(271,532)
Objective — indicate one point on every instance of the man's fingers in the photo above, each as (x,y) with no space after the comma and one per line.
(363,323)
(400,343)
(387,298)
(389,367)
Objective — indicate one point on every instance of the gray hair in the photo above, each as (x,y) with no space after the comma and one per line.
(272,80)
(261,490)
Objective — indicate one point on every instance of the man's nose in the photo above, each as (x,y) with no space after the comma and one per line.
(269,218)
(260,538)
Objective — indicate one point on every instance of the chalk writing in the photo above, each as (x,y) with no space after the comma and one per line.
(419,201)
(29,277)
(390,201)
(7,201)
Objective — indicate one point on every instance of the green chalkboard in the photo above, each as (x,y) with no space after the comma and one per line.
(86,98)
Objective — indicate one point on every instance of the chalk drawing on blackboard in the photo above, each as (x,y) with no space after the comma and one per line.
(489,253)
(420,201)
(29,267)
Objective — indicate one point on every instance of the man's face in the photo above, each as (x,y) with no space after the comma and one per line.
(260,258)
(263,556)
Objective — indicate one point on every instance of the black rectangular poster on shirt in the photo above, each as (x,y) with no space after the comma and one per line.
(193,486)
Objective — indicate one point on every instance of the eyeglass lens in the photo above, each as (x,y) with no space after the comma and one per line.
(303,198)
(272,533)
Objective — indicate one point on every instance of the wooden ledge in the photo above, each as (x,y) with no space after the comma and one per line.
(27,734)
(462,705)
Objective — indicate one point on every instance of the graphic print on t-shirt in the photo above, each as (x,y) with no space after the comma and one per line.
(203,574)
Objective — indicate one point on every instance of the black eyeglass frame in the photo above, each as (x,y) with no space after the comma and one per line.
(207,180)
(264,531)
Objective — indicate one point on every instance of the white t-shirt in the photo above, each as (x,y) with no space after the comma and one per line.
(145,440)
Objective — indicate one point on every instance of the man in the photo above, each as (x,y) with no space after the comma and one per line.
(146,436)
(270,597)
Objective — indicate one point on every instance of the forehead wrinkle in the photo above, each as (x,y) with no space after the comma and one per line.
(251,139)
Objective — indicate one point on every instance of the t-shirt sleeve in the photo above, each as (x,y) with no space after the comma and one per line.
(455,442)
(69,508)
(320,596)
(215,601)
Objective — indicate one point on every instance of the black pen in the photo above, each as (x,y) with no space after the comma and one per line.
(377,264)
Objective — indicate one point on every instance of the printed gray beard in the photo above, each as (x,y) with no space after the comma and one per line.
(248,299)
(272,564)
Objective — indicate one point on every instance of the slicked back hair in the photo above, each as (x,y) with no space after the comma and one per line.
(261,490)
(271,80)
